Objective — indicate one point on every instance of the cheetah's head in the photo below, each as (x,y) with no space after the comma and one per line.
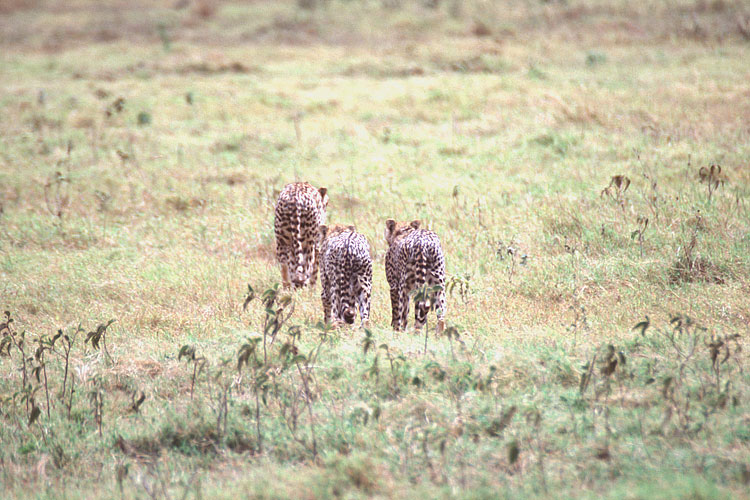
(325,231)
(395,230)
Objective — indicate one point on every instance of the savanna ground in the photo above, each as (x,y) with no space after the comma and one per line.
(561,150)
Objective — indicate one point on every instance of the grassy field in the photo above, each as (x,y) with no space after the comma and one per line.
(563,153)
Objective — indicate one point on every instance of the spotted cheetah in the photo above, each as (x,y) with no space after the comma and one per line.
(414,259)
(300,210)
(345,274)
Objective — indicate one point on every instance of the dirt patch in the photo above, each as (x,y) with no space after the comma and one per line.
(288,31)
(382,71)
(204,68)
(481,63)
(232,179)
(181,204)
(263,251)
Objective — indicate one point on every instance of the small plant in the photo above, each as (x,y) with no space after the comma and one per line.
(100,335)
(689,339)
(304,369)
(460,283)
(67,342)
(115,107)
(607,359)
(368,342)
(452,334)
(395,359)
(279,308)
(199,363)
(56,195)
(166,41)
(580,320)
(96,398)
(7,333)
(511,251)
(653,198)
(690,265)
(594,58)
(616,189)
(136,400)
(57,188)
(12,338)
(637,234)
(248,356)
(713,179)
(224,383)
(534,420)
(43,345)
(144,118)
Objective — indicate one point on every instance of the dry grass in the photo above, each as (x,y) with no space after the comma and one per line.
(139,167)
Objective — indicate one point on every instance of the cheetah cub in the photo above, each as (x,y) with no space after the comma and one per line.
(345,275)
(300,210)
(414,259)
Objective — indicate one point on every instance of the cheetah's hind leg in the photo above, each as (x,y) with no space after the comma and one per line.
(440,306)
(286,281)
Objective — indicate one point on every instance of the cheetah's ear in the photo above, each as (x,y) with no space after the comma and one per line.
(390,227)
(323,192)
(351,228)
(322,231)
(415,224)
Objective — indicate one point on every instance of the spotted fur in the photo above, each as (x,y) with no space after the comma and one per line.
(414,260)
(345,275)
(300,210)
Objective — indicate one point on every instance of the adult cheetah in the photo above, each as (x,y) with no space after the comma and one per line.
(414,260)
(345,274)
(300,210)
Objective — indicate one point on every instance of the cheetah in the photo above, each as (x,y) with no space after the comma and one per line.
(414,259)
(300,210)
(345,274)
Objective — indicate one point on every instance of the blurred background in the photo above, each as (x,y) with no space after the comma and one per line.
(56,25)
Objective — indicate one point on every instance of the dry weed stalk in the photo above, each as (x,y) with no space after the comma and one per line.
(618,185)
(712,177)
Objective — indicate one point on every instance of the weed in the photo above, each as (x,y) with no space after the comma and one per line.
(199,363)
(100,336)
(616,189)
(639,231)
(166,41)
(712,178)
(691,265)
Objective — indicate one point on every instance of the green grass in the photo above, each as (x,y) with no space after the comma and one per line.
(499,126)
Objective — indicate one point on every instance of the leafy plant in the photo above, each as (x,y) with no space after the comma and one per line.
(199,363)
(461,283)
(712,177)
(616,189)
(247,356)
(100,336)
